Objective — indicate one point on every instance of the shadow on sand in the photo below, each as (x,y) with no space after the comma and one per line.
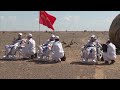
(18,59)
(89,63)
(100,63)
(42,62)
(31,60)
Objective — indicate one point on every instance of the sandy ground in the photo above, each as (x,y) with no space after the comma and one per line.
(72,68)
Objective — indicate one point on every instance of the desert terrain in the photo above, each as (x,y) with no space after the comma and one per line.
(72,68)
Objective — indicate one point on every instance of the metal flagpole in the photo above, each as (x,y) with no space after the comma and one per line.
(39,34)
(53,32)
(39,27)
(0,32)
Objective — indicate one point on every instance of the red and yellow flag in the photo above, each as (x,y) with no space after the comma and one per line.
(47,19)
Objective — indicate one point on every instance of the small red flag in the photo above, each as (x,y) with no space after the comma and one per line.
(47,19)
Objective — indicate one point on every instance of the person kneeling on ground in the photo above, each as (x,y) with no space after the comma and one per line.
(110,54)
(58,52)
(29,50)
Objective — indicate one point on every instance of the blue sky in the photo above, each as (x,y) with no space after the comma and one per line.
(66,20)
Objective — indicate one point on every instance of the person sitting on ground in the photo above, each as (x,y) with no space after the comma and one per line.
(45,49)
(48,42)
(11,49)
(90,49)
(110,54)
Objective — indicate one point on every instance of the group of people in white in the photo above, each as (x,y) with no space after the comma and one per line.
(96,51)
(27,48)
(53,48)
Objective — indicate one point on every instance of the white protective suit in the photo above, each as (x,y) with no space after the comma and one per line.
(111,52)
(58,51)
(11,49)
(47,44)
(29,49)
(45,49)
(90,50)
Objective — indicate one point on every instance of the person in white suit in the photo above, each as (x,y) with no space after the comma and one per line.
(110,54)
(11,49)
(49,42)
(30,48)
(45,49)
(90,50)
(57,50)
(52,39)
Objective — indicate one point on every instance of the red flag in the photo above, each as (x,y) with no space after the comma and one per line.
(47,19)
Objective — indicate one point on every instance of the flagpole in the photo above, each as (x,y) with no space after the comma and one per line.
(39,28)
(53,32)
(39,34)
(47,20)
(0,32)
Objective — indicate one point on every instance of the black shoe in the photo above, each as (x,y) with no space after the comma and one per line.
(25,58)
(32,56)
(35,56)
(102,59)
(112,61)
(106,62)
(63,58)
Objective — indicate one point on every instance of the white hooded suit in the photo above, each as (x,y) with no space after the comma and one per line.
(111,52)
(57,50)
(29,49)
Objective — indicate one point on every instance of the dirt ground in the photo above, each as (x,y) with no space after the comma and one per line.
(72,68)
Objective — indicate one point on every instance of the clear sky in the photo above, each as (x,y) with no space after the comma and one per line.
(66,20)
